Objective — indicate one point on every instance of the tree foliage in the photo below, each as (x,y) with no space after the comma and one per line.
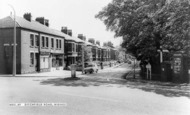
(147,25)
(87,54)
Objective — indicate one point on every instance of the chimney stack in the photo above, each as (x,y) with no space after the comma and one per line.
(80,36)
(27,16)
(43,21)
(69,32)
(84,38)
(64,30)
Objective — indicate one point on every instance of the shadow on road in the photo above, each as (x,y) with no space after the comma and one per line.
(165,89)
(111,79)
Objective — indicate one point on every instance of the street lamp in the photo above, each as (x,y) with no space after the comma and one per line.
(14,42)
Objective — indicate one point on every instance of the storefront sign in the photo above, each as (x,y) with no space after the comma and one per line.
(44,53)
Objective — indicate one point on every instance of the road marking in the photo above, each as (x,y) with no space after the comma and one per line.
(91,97)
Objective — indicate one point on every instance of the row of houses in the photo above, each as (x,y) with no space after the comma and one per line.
(40,48)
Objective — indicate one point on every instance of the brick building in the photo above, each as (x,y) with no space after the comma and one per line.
(39,48)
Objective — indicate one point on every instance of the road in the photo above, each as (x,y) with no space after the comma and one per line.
(104,93)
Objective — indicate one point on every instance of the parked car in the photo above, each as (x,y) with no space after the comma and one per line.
(90,68)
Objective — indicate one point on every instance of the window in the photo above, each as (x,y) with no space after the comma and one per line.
(31,59)
(52,42)
(31,40)
(47,42)
(57,44)
(73,47)
(60,44)
(43,41)
(37,40)
(69,46)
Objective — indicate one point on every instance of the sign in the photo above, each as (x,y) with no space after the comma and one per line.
(6,44)
(45,53)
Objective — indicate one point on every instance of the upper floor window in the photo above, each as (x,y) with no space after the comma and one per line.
(43,41)
(69,46)
(31,40)
(60,44)
(57,44)
(47,42)
(52,42)
(37,40)
(73,47)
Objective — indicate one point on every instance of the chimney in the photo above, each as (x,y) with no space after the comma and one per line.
(27,16)
(43,21)
(69,32)
(84,38)
(64,30)
(80,36)
(46,22)
(40,20)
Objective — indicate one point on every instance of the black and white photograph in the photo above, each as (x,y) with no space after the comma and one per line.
(94,57)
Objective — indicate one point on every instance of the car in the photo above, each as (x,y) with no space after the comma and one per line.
(90,68)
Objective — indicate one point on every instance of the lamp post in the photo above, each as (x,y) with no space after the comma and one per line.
(14,42)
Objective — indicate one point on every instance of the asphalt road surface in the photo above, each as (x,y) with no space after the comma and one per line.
(104,93)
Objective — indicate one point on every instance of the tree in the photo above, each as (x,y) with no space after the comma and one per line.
(146,25)
(87,54)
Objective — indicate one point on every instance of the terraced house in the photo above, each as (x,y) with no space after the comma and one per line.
(40,48)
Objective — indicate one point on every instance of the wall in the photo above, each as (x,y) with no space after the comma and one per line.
(6,52)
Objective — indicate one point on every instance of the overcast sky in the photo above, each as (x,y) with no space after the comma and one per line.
(78,15)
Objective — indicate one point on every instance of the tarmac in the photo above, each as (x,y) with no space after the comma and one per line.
(56,73)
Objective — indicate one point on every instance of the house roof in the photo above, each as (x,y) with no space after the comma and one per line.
(8,22)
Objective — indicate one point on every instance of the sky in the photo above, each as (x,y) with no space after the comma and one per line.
(77,15)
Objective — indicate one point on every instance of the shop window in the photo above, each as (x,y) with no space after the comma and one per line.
(31,40)
(31,59)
